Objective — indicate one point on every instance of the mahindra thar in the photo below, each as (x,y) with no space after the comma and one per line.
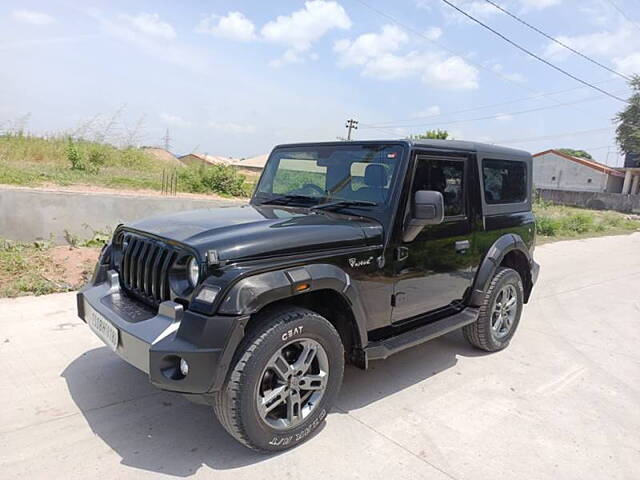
(348,252)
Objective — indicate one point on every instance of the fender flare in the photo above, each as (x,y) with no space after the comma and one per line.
(254,292)
(492,261)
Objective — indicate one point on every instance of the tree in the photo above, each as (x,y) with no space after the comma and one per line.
(628,120)
(575,153)
(431,135)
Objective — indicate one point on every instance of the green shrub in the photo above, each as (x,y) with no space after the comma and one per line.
(220,179)
(75,156)
(97,158)
(548,226)
(580,222)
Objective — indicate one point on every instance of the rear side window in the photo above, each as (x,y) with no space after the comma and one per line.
(505,181)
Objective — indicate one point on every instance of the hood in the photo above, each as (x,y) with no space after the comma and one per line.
(250,232)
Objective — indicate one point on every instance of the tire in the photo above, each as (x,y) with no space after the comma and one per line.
(483,333)
(284,334)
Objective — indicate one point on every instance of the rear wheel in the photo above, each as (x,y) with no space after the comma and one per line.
(499,313)
(286,377)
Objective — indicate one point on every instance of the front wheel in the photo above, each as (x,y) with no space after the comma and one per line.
(286,377)
(499,313)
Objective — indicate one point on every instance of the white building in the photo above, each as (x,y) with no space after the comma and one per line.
(555,170)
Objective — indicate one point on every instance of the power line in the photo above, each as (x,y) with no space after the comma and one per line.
(562,44)
(546,137)
(489,117)
(493,105)
(451,51)
(621,12)
(530,53)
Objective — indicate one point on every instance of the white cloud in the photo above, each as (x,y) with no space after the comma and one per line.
(233,26)
(150,24)
(433,33)
(157,46)
(370,45)
(629,65)
(32,17)
(231,127)
(303,27)
(620,47)
(377,55)
(431,111)
(483,10)
(539,4)
(504,117)
(174,120)
(513,76)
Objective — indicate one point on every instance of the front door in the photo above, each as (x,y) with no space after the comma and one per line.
(436,268)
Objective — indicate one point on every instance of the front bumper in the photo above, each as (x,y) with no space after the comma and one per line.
(154,342)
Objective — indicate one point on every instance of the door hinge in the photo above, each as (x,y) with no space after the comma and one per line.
(402,253)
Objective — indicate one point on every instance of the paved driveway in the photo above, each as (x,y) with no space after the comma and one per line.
(562,402)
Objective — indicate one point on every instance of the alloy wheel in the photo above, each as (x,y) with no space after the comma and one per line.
(292,383)
(504,311)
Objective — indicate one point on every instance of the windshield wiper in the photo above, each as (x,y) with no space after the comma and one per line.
(288,199)
(343,203)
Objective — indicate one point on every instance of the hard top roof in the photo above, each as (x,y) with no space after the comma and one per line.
(438,144)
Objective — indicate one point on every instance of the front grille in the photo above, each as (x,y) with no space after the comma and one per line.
(144,268)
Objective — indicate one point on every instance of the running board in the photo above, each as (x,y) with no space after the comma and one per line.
(384,348)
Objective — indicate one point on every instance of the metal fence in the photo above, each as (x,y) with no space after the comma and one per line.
(169,182)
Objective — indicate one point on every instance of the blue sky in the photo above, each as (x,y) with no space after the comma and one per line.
(237,77)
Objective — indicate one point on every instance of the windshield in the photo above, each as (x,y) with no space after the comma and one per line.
(314,175)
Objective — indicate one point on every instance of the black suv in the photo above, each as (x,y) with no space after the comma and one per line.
(347,252)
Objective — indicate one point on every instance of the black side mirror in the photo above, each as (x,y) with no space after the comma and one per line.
(428,209)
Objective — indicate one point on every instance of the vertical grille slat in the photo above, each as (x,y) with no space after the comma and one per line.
(126,258)
(133,265)
(157,273)
(147,269)
(140,268)
(144,268)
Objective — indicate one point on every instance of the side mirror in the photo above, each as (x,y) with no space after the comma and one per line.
(428,209)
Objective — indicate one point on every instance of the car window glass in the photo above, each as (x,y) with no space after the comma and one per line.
(293,173)
(504,181)
(444,176)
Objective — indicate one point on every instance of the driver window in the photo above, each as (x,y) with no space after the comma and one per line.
(444,176)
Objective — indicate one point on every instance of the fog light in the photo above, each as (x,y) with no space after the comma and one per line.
(184,367)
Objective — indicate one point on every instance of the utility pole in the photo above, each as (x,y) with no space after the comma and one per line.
(351,125)
(167,141)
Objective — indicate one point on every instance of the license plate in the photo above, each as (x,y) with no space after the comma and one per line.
(101,327)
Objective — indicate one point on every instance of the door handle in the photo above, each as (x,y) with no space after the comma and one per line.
(462,246)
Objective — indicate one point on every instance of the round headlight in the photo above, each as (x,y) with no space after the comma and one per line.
(193,271)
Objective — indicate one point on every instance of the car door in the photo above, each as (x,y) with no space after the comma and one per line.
(434,270)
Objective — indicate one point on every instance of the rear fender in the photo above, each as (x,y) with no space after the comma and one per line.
(492,261)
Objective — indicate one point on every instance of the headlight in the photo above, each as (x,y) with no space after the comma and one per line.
(193,271)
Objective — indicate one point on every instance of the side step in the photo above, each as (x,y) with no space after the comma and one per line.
(383,348)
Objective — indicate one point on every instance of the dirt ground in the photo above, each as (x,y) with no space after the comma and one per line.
(33,269)
(73,265)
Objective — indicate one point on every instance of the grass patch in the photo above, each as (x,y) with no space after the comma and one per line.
(40,268)
(557,222)
(31,161)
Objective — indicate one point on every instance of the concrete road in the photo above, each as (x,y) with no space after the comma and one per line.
(562,402)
